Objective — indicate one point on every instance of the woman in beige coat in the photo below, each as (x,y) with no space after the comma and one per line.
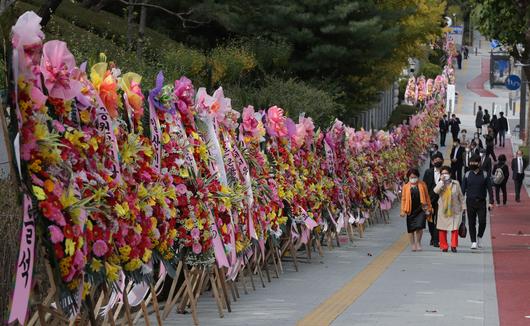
(451,205)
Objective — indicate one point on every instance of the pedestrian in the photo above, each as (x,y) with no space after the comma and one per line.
(431,178)
(467,157)
(500,178)
(476,186)
(457,160)
(459,59)
(486,119)
(466,52)
(416,206)
(477,140)
(476,51)
(463,135)
(451,205)
(490,144)
(485,162)
(443,125)
(433,151)
(479,119)
(502,126)
(454,124)
(519,164)
(493,125)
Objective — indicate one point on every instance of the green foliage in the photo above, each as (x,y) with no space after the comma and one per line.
(429,70)
(402,112)
(294,96)
(230,63)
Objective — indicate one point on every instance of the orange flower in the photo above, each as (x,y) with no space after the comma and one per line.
(48,186)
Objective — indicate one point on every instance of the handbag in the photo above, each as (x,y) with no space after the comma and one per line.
(462,229)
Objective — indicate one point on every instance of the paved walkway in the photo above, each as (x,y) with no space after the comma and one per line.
(379,281)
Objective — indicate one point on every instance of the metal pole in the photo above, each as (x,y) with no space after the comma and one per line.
(522,111)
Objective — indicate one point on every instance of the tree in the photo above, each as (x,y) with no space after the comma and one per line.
(509,22)
(47,9)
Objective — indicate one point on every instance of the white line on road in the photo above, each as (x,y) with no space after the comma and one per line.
(474,317)
(422,282)
(425,292)
(434,315)
(475,301)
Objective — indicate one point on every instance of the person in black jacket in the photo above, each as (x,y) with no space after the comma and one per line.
(431,178)
(476,139)
(493,126)
(454,124)
(443,125)
(479,119)
(502,128)
(457,160)
(519,164)
(433,151)
(490,144)
(486,118)
(476,186)
(502,185)
(485,162)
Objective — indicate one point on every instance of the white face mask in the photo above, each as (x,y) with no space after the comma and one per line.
(481,154)
(468,149)
(446,177)
(413,180)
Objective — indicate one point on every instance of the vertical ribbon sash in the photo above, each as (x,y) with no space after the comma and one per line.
(25,261)
(154,127)
(103,124)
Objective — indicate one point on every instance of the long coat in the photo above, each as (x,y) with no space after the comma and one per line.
(458,204)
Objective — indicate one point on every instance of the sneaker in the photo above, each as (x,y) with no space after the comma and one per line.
(453,249)
(474,245)
(479,242)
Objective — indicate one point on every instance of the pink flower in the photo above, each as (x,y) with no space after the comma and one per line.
(181,189)
(195,233)
(56,235)
(27,39)
(184,93)
(276,122)
(58,126)
(197,248)
(100,248)
(56,65)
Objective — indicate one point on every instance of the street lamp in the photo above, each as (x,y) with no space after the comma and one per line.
(454,19)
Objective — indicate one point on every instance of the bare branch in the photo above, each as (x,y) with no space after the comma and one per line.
(179,15)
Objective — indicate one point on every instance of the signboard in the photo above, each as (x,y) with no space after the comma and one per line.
(451,98)
(512,82)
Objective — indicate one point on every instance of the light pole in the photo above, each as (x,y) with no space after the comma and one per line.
(522,112)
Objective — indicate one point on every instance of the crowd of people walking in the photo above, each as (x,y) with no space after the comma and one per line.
(469,186)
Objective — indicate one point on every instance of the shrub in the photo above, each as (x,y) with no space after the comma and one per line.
(429,70)
(230,63)
(402,112)
(294,96)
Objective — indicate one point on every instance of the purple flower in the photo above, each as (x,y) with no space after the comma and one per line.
(56,235)
(100,248)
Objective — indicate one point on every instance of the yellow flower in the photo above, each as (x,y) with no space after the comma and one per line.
(35,166)
(95,265)
(64,266)
(142,192)
(39,193)
(165,138)
(147,255)
(133,265)
(69,247)
(41,131)
(85,116)
(184,173)
(112,272)
(125,251)
(203,152)
(138,229)
(68,198)
(122,209)
(93,142)
(188,224)
(195,135)
(73,285)
(86,289)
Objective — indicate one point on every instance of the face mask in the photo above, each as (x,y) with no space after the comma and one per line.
(468,149)
(446,177)
(481,154)
(437,164)
(473,166)
(413,180)
(519,156)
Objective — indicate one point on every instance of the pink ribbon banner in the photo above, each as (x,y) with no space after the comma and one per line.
(154,126)
(104,125)
(25,261)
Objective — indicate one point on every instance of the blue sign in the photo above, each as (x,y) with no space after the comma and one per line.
(512,82)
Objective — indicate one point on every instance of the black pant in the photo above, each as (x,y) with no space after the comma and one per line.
(456,172)
(518,183)
(455,135)
(476,208)
(498,188)
(432,225)
(442,137)
(502,136)
(490,151)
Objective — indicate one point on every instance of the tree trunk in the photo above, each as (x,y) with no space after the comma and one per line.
(47,9)
(130,25)
(141,32)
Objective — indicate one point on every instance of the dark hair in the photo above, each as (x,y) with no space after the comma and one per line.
(486,110)
(453,115)
(445,115)
(437,155)
(413,171)
(501,113)
(445,168)
(480,107)
(457,140)
(435,146)
(502,158)
(475,158)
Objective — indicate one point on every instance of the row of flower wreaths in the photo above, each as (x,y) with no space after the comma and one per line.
(120,180)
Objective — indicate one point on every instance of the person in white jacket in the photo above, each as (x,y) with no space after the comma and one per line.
(451,205)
